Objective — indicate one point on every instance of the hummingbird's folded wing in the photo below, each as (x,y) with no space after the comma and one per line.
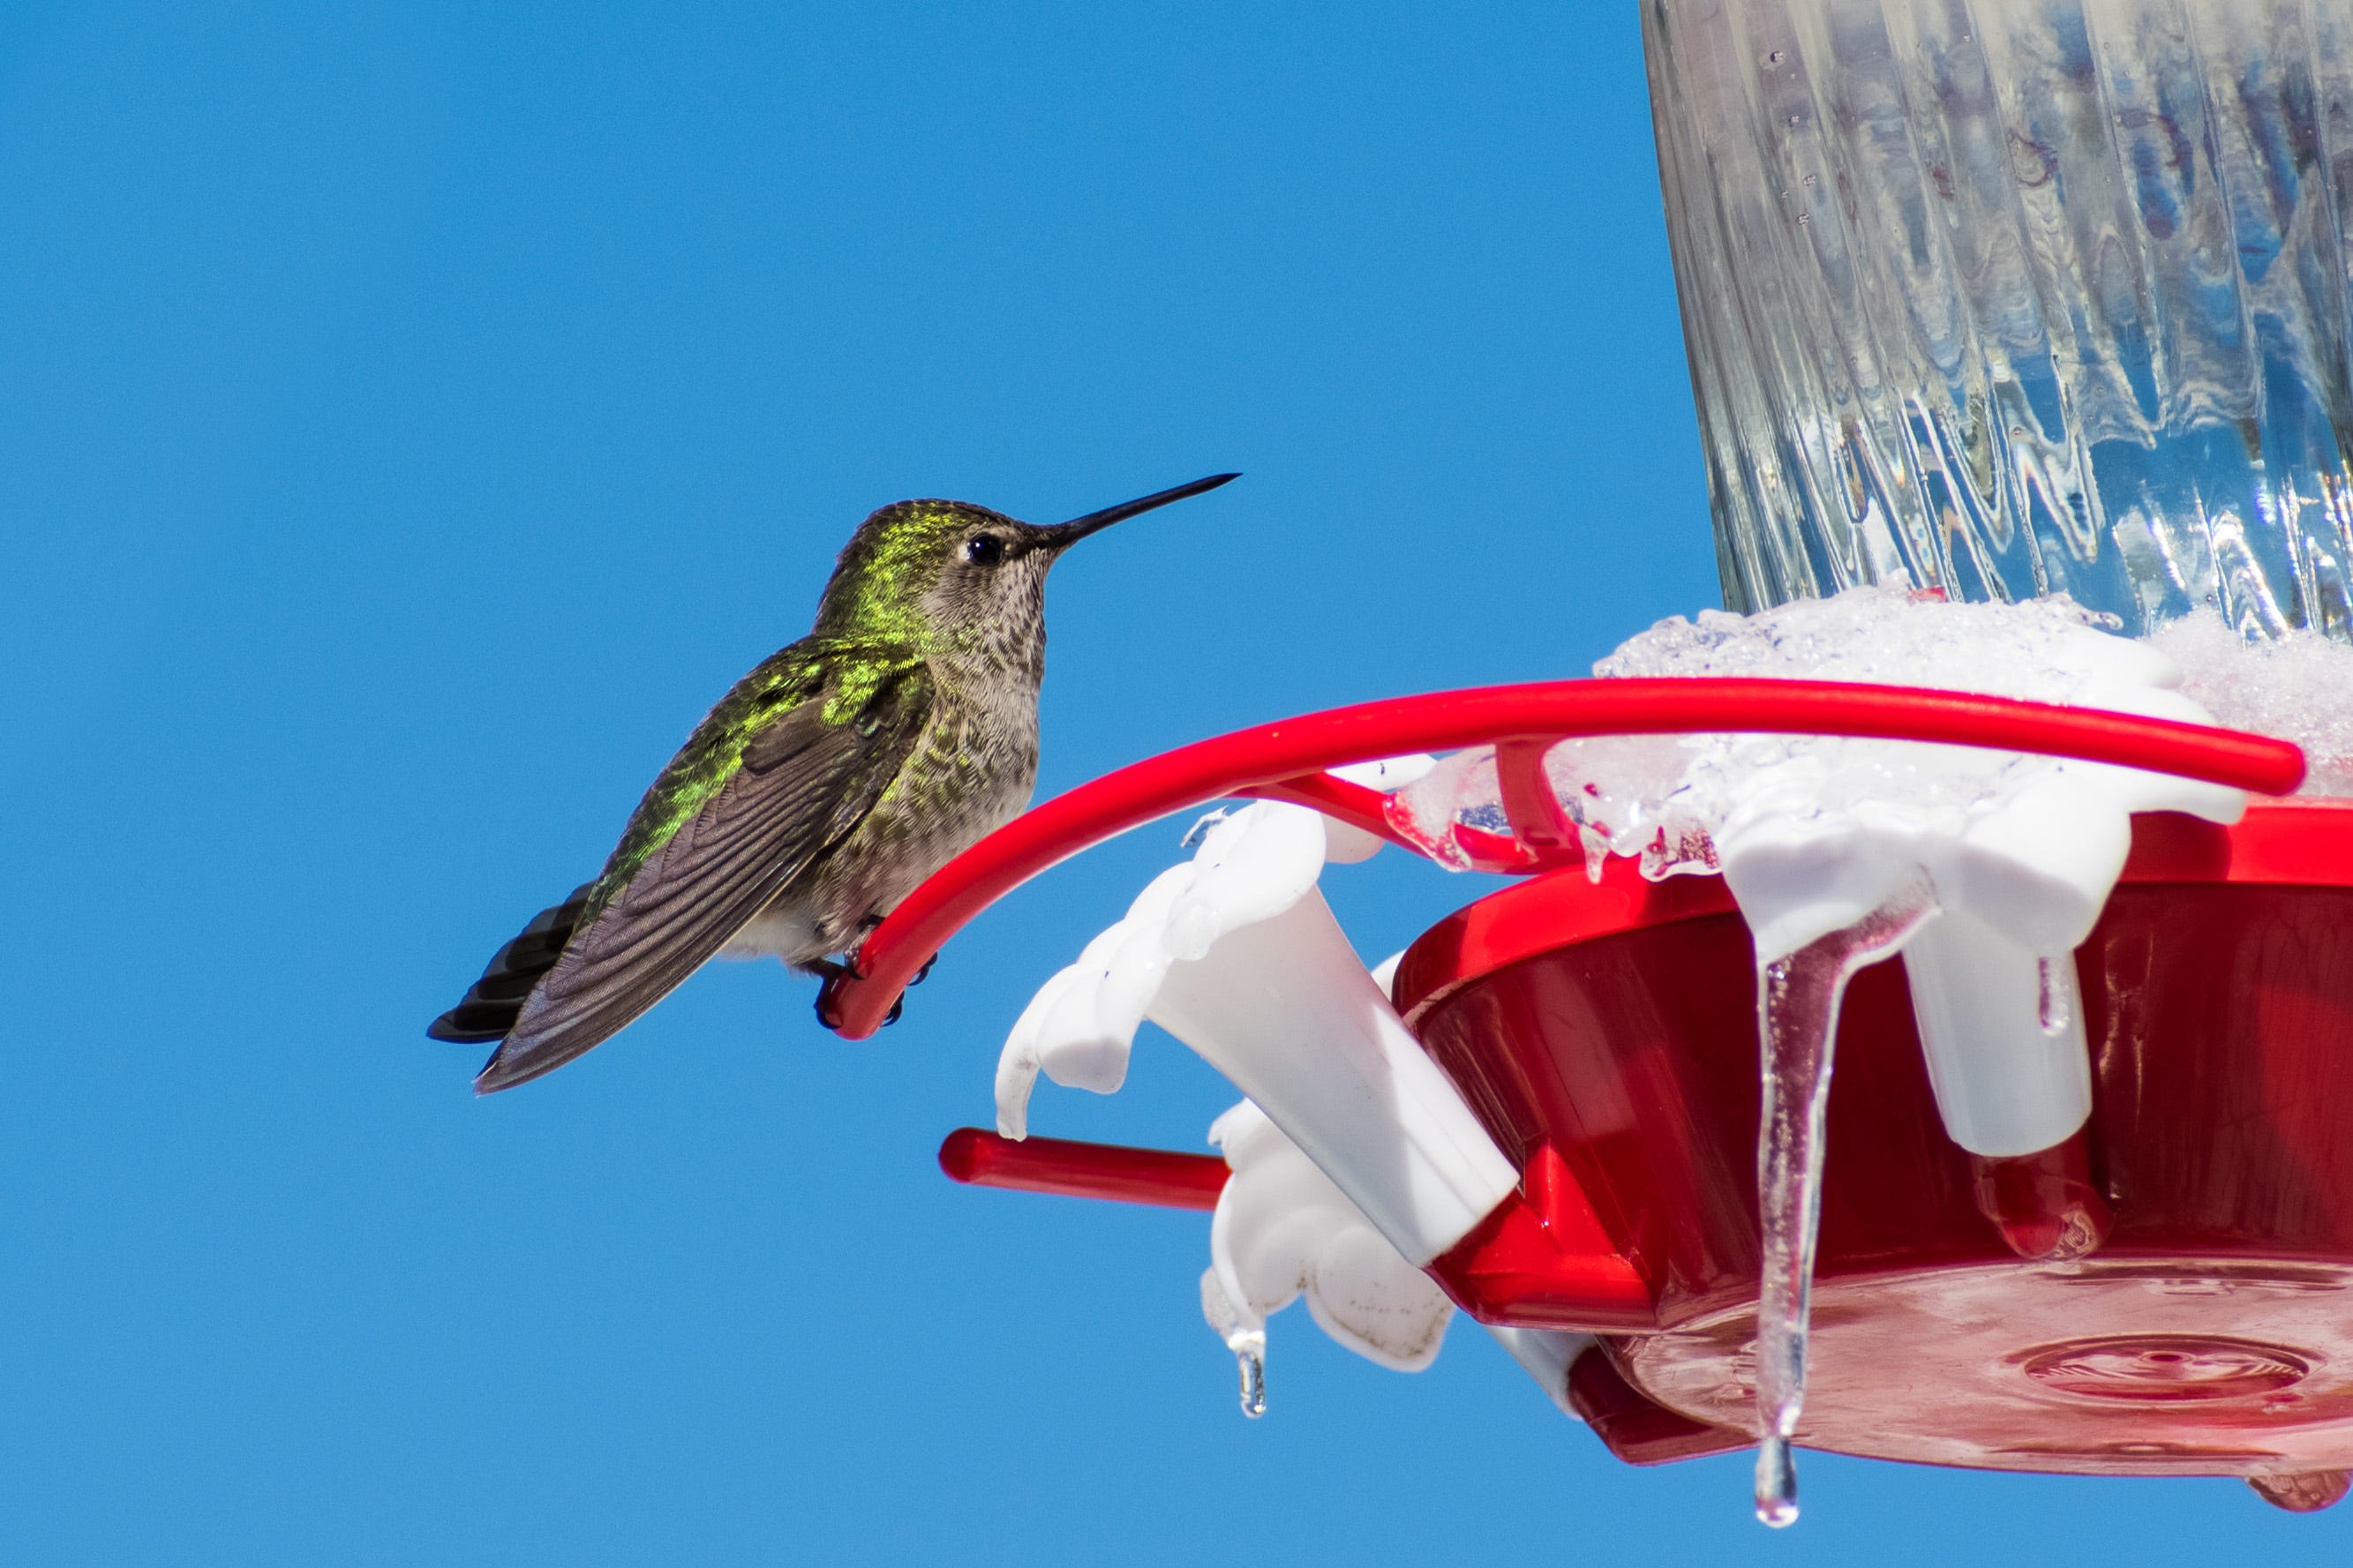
(806,782)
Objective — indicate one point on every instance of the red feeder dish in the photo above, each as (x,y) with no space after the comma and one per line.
(2184,1303)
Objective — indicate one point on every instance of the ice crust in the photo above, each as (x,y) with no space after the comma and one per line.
(2297,685)
(1812,833)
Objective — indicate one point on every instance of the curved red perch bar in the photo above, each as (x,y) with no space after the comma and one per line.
(1285,761)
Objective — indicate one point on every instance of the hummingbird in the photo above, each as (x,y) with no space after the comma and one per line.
(841,772)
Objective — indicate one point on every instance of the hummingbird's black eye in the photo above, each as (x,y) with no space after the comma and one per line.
(984,550)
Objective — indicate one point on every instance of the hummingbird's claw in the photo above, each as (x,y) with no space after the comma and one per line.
(926,973)
(893,1016)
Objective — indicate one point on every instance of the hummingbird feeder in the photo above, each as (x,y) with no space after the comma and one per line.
(1572,1062)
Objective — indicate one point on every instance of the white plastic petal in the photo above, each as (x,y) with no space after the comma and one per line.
(1251,867)
(1283,1230)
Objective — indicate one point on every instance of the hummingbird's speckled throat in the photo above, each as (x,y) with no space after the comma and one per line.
(838,774)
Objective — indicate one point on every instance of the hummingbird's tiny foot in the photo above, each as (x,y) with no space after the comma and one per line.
(897,1008)
(924,974)
(832,977)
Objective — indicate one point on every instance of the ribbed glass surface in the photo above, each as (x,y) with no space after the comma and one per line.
(2010,296)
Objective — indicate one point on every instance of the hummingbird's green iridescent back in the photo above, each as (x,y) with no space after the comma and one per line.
(714,753)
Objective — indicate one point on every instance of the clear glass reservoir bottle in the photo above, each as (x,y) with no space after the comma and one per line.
(2015,296)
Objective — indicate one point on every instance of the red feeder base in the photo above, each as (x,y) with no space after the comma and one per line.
(1607,1035)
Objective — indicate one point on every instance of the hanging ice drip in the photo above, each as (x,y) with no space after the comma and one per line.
(1798,1001)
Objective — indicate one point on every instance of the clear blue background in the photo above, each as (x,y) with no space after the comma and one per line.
(416,414)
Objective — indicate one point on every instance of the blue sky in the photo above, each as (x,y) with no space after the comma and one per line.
(415,415)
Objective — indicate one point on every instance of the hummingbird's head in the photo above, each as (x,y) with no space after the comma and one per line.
(949,575)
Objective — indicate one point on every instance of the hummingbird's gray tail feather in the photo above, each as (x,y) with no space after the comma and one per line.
(490,1007)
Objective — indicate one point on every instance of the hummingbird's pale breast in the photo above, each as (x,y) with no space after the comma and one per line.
(971,772)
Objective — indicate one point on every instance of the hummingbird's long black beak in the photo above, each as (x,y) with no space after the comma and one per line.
(1063,535)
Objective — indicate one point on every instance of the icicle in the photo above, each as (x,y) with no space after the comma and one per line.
(1244,1332)
(1797,999)
(1777,1484)
(1249,1359)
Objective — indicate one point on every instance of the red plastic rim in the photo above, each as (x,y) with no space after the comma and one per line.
(1286,761)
